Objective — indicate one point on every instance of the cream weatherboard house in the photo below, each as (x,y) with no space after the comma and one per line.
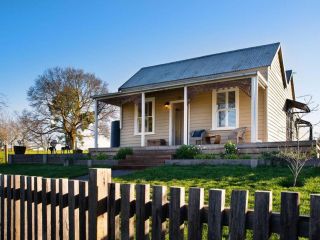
(217,94)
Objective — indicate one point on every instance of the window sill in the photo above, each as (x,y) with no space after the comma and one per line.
(147,133)
(223,128)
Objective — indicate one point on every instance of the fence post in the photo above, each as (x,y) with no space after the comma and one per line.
(238,210)
(176,220)
(195,206)
(98,197)
(159,201)
(314,228)
(262,214)
(216,207)
(289,215)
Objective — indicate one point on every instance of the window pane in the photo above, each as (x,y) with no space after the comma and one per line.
(232,99)
(148,124)
(148,108)
(222,118)
(139,110)
(231,118)
(221,100)
(139,124)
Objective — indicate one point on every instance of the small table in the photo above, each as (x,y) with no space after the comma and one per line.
(213,138)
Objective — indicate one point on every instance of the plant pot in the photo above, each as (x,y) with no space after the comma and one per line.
(19,149)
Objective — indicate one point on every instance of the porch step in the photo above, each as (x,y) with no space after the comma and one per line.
(143,158)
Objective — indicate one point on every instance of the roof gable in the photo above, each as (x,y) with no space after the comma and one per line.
(226,62)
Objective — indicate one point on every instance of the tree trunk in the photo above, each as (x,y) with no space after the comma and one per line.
(71,140)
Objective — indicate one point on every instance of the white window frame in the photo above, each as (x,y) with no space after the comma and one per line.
(215,110)
(152,99)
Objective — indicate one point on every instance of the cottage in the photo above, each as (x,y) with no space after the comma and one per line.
(245,95)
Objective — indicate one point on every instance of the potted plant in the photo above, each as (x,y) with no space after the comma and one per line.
(20,148)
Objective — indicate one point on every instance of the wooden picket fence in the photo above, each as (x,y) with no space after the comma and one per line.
(41,208)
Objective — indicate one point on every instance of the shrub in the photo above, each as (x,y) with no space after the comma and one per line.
(231,156)
(230,148)
(245,156)
(122,153)
(187,152)
(205,156)
(101,156)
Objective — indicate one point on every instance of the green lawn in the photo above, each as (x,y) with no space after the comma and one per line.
(276,179)
(50,171)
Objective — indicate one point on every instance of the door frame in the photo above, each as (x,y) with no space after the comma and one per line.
(171,119)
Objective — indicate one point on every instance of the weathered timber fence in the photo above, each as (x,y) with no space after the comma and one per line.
(41,208)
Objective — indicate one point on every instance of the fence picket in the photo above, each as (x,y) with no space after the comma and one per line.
(314,228)
(215,214)
(98,195)
(83,213)
(63,209)
(73,191)
(2,209)
(113,206)
(142,220)
(126,212)
(195,206)
(23,205)
(16,206)
(238,210)
(176,207)
(9,224)
(54,208)
(39,208)
(30,208)
(262,214)
(289,215)
(45,212)
(159,201)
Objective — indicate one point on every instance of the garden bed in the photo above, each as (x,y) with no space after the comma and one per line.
(244,162)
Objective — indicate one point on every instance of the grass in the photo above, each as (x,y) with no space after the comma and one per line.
(276,179)
(49,171)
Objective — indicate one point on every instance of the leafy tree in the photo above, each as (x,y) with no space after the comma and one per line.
(62,103)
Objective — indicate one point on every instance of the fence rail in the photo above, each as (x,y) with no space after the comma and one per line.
(41,208)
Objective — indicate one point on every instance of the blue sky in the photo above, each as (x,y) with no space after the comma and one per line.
(113,39)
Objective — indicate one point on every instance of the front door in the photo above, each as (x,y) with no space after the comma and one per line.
(177,123)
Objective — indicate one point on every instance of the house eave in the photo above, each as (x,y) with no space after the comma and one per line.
(178,84)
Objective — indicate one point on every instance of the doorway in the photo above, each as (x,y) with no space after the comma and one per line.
(177,123)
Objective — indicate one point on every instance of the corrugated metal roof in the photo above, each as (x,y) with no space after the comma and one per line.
(226,62)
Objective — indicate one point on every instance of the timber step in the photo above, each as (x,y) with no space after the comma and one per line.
(145,158)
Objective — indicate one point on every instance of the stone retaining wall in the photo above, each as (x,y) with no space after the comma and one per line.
(59,159)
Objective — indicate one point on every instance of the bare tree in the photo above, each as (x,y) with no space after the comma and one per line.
(297,159)
(3,101)
(61,99)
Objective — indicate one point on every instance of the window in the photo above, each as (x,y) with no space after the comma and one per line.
(225,109)
(149,117)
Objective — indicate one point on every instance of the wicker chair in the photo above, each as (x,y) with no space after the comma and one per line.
(238,135)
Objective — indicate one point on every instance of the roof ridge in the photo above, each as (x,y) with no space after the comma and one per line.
(209,55)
